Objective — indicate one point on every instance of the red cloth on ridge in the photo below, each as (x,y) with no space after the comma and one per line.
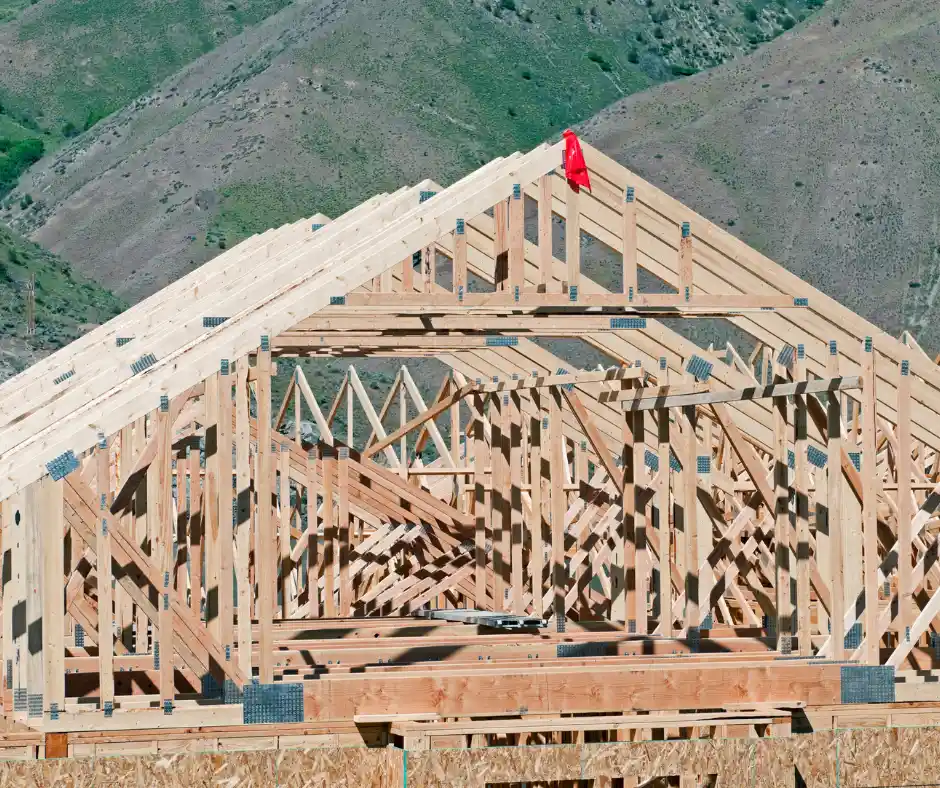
(575,169)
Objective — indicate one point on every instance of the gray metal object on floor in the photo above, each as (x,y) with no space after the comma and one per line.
(485,618)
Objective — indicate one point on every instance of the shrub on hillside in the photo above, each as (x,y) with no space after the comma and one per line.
(16,160)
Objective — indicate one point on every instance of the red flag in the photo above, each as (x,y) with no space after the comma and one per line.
(575,169)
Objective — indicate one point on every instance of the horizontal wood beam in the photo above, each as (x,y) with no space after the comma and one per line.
(570,690)
(653,398)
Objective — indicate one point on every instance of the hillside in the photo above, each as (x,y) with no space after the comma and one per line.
(329,101)
(69,64)
(67,304)
(821,150)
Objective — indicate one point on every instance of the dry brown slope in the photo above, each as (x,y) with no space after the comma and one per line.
(822,150)
(330,101)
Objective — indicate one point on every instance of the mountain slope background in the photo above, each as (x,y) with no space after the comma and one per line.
(67,304)
(329,101)
(821,150)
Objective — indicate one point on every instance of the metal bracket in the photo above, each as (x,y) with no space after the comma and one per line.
(144,362)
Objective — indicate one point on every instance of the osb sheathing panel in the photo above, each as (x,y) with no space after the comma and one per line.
(892,756)
(731,758)
(475,768)
(862,758)
(340,767)
(814,755)
(245,770)
(67,773)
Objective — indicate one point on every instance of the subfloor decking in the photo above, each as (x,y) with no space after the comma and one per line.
(860,758)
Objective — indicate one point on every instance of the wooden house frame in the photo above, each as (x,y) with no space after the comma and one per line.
(719,541)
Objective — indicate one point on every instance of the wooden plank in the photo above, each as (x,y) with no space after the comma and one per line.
(144,453)
(592,434)
(700,395)
(629,243)
(374,421)
(415,394)
(103,551)
(49,659)
(870,503)
(226,540)
(782,526)
(429,258)
(313,537)
(345,590)
(298,408)
(516,241)
(536,548)
(686,286)
(568,690)
(455,448)
(642,565)
(905,502)
(124,608)
(503,499)
(499,483)
(558,506)
(330,540)
(161,478)
(264,541)
(666,537)
(325,433)
(693,613)
(501,244)
(834,513)
(479,499)
(460,260)
(515,492)
(196,534)
(801,491)
(545,233)
(407,275)
(573,239)
(6,638)
(210,508)
(15,592)
(285,402)
(402,428)
(623,565)
(283,531)
(181,574)
(243,527)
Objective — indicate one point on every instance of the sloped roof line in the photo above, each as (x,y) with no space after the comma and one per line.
(822,320)
(198,359)
(12,390)
(197,294)
(167,327)
(294,264)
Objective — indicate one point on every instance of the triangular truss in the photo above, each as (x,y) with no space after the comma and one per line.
(782,495)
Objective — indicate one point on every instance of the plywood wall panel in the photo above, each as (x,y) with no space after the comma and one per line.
(340,767)
(731,758)
(777,760)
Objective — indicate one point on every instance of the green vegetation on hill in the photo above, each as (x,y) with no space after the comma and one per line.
(10,8)
(822,153)
(66,304)
(484,78)
(15,159)
(76,61)
(321,106)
